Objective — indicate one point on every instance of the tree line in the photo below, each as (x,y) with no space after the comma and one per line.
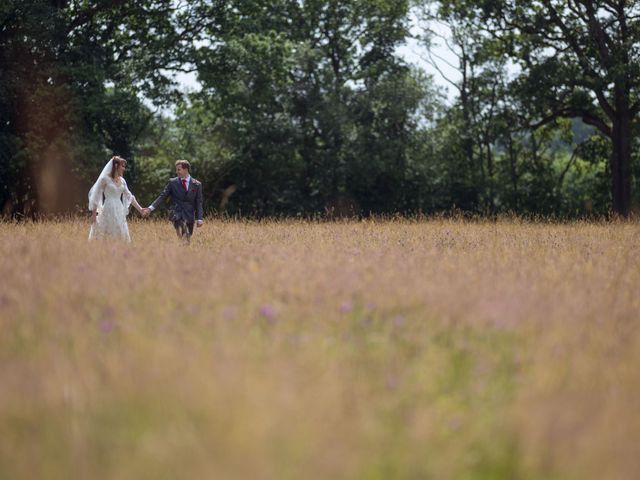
(307,108)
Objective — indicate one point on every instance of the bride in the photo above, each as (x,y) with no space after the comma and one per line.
(109,217)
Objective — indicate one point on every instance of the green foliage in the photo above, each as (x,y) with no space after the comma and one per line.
(527,69)
(312,106)
(71,82)
(306,108)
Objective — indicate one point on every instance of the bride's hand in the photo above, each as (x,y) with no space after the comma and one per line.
(94,215)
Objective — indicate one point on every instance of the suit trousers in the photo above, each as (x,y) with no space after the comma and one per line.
(183,228)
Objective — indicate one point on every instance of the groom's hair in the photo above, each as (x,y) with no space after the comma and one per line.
(184,164)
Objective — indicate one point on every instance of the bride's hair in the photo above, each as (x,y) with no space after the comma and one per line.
(117,161)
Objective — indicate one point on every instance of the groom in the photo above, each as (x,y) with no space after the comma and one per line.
(186,201)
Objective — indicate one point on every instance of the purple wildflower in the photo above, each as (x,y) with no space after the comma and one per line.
(229,313)
(392,382)
(398,321)
(366,322)
(268,311)
(107,325)
(345,307)
(455,423)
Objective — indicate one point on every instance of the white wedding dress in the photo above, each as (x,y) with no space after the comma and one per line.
(112,214)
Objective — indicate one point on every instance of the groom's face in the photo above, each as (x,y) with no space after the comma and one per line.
(182,172)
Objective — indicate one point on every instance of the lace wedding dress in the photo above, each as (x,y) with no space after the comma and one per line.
(112,213)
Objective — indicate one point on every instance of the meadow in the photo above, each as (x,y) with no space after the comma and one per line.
(434,349)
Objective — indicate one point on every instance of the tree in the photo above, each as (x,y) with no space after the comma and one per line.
(72,75)
(578,58)
(311,101)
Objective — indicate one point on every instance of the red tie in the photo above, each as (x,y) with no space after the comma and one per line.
(184,184)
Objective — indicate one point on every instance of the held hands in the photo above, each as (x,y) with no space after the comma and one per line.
(145,212)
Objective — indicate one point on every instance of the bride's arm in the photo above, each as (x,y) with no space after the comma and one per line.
(95,198)
(134,202)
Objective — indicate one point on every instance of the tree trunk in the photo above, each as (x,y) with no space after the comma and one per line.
(467,141)
(490,174)
(621,160)
(512,170)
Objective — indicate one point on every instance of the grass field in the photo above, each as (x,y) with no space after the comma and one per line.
(295,350)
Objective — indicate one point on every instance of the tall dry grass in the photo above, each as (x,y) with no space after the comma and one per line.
(275,350)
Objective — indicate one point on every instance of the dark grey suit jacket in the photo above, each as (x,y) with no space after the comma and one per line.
(184,205)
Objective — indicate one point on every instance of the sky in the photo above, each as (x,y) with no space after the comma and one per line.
(413,52)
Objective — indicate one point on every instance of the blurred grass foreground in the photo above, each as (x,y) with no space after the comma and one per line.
(299,350)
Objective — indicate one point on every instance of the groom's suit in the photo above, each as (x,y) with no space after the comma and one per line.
(186,207)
